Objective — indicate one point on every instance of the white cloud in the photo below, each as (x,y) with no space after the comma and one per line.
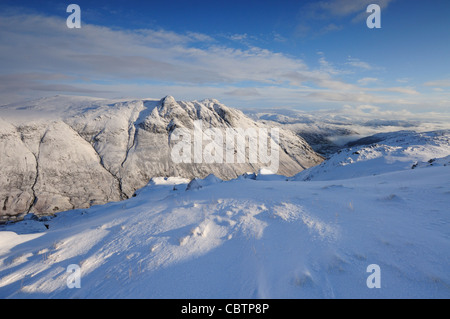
(403,80)
(367,81)
(278,37)
(439,83)
(243,92)
(327,66)
(345,8)
(40,54)
(103,54)
(403,90)
(330,12)
(238,37)
(435,120)
(357,63)
(46,45)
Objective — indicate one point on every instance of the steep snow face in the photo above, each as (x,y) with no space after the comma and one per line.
(68,152)
(18,171)
(46,168)
(244,238)
(69,173)
(402,150)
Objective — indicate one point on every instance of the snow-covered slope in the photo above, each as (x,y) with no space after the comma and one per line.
(385,152)
(66,152)
(244,238)
(313,235)
(328,131)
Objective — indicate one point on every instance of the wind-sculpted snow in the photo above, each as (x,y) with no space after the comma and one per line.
(244,238)
(67,152)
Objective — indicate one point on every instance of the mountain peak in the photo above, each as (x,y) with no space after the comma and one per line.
(169,107)
(168,100)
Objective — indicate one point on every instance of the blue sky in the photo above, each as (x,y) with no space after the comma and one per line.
(304,54)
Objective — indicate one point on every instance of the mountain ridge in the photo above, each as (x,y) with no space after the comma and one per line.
(75,152)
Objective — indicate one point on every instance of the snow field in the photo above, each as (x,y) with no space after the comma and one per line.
(244,238)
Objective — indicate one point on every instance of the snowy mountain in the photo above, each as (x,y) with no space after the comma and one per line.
(256,236)
(68,152)
(219,231)
(382,153)
(328,131)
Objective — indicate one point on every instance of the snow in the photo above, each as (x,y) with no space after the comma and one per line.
(10,240)
(265,174)
(260,235)
(198,183)
(244,238)
(393,151)
(67,152)
(168,181)
(329,130)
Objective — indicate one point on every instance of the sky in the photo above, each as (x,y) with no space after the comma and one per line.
(307,55)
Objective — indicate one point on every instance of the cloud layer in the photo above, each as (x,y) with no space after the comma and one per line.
(39,55)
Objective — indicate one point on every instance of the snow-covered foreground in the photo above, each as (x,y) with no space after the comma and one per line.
(245,238)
